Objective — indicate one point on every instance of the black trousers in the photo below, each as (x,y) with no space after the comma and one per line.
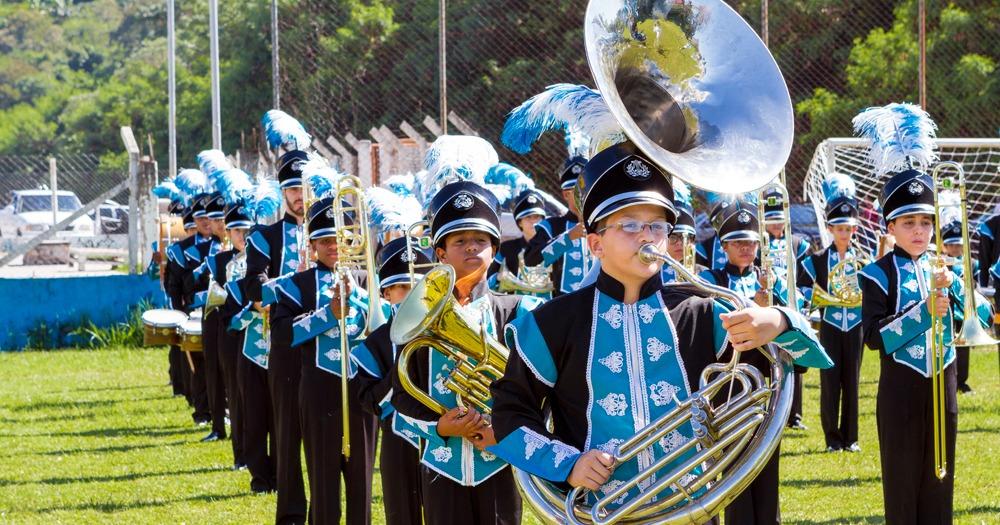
(229,352)
(495,500)
(795,416)
(962,360)
(758,504)
(213,373)
(198,389)
(283,372)
(322,435)
(910,490)
(176,362)
(399,464)
(838,397)
(256,423)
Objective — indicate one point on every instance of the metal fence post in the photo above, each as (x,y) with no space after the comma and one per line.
(54,185)
(148,208)
(133,202)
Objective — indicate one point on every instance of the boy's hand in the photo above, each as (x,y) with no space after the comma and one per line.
(483,437)
(335,298)
(591,470)
(460,422)
(753,327)
(942,303)
(260,308)
(577,232)
(942,278)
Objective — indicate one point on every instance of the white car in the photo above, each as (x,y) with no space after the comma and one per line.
(30,213)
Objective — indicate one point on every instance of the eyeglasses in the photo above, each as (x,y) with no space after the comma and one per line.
(658,229)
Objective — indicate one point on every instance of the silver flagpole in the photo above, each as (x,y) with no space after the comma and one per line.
(275,78)
(213,33)
(171,93)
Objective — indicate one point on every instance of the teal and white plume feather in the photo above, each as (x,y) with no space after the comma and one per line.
(455,158)
(838,185)
(283,130)
(192,182)
(574,109)
(391,212)
(902,137)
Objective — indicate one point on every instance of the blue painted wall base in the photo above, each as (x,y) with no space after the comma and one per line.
(61,304)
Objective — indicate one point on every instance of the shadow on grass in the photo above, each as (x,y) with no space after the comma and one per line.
(111,432)
(797,453)
(989,510)
(978,430)
(819,482)
(102,479)
(839,521)
(46,418)
(35,406)
(109,507)
(112,448)
(116,388)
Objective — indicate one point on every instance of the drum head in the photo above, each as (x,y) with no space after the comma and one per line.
(191,327)
(162,318)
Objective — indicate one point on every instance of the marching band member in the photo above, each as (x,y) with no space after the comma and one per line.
(989,250)
(611,358)
(896,319)
(840,330)
(739,235)
(528,210)
(247,339)
(273,251)
(684,230)
(709,252)
(194,185)
(167,189)
(558,241)
(308,313)
(461,481)
(375,357)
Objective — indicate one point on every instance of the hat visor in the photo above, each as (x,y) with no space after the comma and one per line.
(910,209)
(529,211)
(467,224)
(850,221)
(740,235)
(632,198)
(322,233)
(294,182)
(398,278)
(239,224)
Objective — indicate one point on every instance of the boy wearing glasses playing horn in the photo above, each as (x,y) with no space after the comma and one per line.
(610,358)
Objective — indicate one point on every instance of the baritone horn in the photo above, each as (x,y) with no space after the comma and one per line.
(696,90)
(429,317)
(354,252)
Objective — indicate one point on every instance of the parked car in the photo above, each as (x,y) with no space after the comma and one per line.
(804,223)
(30,213)
(110,217)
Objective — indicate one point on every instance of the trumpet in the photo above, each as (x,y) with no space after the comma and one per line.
(971,333)
(429,317)
(530,280)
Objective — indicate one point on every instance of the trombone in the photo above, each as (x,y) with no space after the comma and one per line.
(354,251)
(971,333)
(767,259)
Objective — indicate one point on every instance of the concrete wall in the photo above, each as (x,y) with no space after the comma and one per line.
(62,303)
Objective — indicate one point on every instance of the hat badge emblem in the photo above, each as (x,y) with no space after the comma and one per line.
(463,201)
(576,169)
(743,217)
(915,188)
(405,256)
(637,169)
(298,165)
(532,199)
(329,213)
(845,208)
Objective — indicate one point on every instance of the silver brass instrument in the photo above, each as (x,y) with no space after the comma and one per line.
(768,260)
(429,317)
(354,251)
(698,92)
(529,280)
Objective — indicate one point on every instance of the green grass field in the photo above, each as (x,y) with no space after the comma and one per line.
(95,437)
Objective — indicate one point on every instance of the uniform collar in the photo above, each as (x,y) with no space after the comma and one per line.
(289,218)
(731,269)
(616,290)
(899,252)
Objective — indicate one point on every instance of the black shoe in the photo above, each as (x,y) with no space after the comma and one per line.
(854,447)
(214,436)
(964,388)
(239,466)
(797,425)
(833,448)
(261,488)
(202,422)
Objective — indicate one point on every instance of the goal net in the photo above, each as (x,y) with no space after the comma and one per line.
(979,157)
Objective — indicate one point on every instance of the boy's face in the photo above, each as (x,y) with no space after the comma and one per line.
(953,250)
(466,251)
(777,230)
(570,197)
(203,225)
(293,200)
(842,233)
(912,232)
(218,227)
(238,236)
(675,246)
(326,250)
(741,253)
(527,225)
(619,251)
(395,293)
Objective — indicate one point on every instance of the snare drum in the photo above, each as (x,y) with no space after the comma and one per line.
(191,335)
(159,327)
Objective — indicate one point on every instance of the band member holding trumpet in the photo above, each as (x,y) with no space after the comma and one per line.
(611,358)
(681,243)
(461,481)
(829,279)
(907,317)
(273,251)
(399,459)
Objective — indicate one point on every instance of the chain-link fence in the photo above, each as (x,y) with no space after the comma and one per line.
(354,65)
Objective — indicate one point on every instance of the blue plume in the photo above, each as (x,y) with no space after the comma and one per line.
(390,212)
(713,198)
(577,143)
(320,176)
(213,163)
(192,182)
(282,129)
(900,134)
(168,190)
(682,193)
(402,185)
(510,182)
(267,199)
(561,107)
(235,186)
(838,185)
